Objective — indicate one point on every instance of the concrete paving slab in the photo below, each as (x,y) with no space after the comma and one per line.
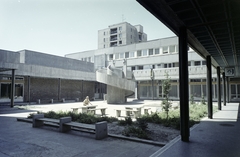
(217,137)
(20,139)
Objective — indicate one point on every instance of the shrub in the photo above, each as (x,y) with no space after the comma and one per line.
(142,123)
(127,121)
(135,131)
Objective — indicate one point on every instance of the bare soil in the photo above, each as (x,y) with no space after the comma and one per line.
(156,132)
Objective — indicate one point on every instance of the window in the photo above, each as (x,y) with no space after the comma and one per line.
(131,36)
(165,65)
(165,49)
(140,37)
(189,63)
(133,68)
(140,67)
(104,46)
(120,42)
(110,57)
(169,65)
(103,33)
(131,54)
(197,63)
(126,54)
(203,62)
(120,35)
(159,66)
(139,53)
(176,64)
(144,52)
(120,28)
(121,55)
(150,52)
(103,39)
(156,51)
(147,66)
(117,56)
(172,48)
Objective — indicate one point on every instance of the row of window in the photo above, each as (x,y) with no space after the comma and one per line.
(88,59)
(164,65)
(144,52)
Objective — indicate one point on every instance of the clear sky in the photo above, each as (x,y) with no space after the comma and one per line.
(61,27)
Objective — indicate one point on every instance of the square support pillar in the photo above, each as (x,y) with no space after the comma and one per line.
(219,88)
(184,84)
(29,84)
(224,88)
(13,88)
(227,89)
(59,89)
(209,87)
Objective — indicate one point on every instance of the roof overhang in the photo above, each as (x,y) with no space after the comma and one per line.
(213,26)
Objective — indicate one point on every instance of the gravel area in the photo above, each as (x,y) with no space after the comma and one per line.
(156,132)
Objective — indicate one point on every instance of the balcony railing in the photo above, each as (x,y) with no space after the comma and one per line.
(113,31)
(159,74)
(113,39)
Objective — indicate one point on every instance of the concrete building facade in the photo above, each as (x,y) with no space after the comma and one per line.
(149,61)
(45,78)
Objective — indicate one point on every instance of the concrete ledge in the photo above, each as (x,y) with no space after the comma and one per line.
(64,128)
(37,123)
(101,130)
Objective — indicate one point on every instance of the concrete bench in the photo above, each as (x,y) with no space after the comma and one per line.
(146,110)
(100,129)
(38,120)
(93,110)
(128,112)
(84,108)
(135,110)
(65,124)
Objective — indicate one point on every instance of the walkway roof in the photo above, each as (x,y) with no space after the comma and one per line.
(213,26)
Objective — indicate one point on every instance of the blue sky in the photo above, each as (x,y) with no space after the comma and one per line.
(61,27)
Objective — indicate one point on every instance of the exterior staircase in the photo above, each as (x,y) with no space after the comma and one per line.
(118,87)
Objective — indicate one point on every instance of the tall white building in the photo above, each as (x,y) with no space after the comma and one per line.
(120,34)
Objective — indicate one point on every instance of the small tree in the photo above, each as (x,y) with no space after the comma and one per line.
(192,99)
(166,85)
(203,100)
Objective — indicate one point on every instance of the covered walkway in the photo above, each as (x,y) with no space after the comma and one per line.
(212,137)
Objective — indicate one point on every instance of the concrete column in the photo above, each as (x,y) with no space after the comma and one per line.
(214,91)
(29,84)
(82,91)
(209,87)
(59,89)
(184,84)
(13,88)
(219,88)
(224,88)
(178,90)
(136,90)
(152,90)
(227,89)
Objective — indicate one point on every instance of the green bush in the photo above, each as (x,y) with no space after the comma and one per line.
(135,131)
(142,123)
(127,121)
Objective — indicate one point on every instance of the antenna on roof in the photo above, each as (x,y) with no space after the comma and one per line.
(123,18)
